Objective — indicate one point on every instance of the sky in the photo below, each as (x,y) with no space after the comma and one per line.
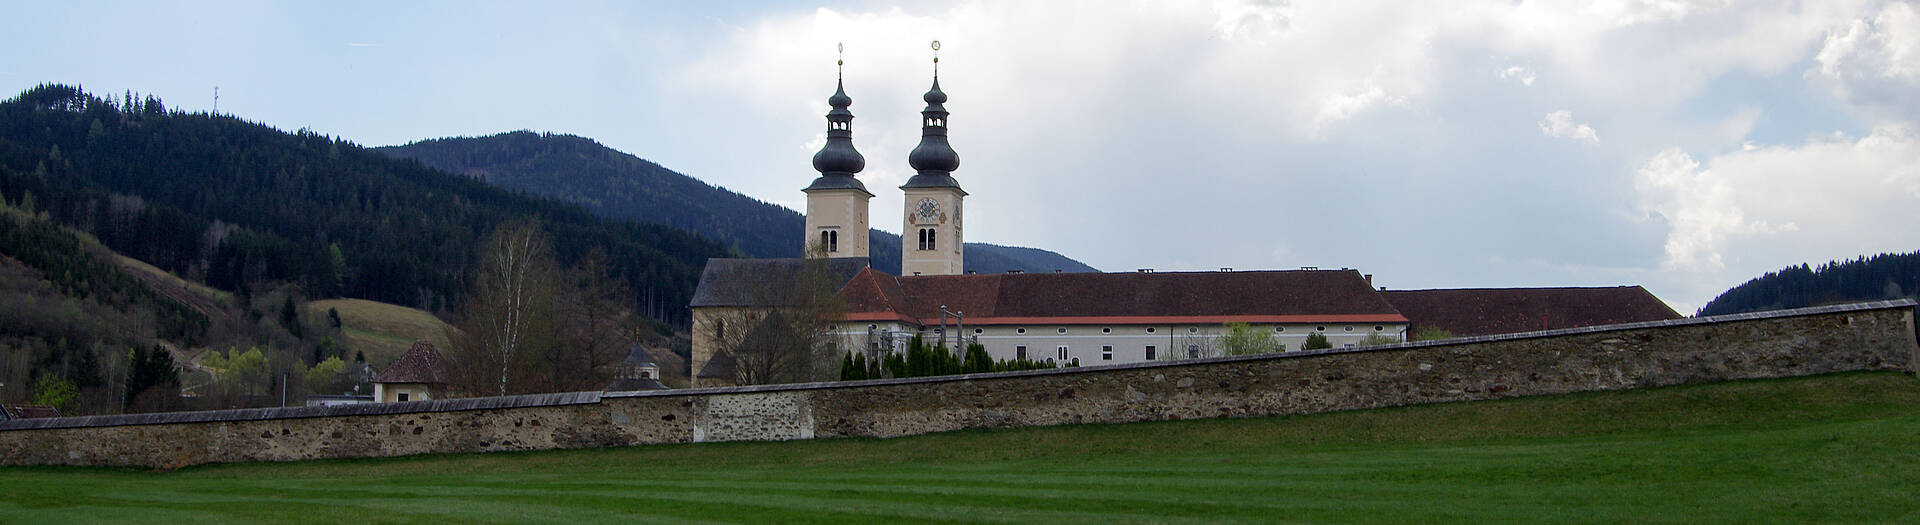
(1683,146)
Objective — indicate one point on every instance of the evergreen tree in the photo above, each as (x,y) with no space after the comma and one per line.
(153,384)
(1315,341)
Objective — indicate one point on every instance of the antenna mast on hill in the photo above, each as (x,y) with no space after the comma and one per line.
(216,101)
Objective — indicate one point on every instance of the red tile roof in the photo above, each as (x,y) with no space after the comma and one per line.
(1123,298)
(421,364)
(1487,311)
(28,411)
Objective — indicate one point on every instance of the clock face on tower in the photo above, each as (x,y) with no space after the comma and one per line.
(928,210)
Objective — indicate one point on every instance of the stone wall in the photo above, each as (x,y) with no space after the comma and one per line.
(1867,336)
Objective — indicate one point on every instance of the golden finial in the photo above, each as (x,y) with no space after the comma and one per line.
(840,65)
(936,58)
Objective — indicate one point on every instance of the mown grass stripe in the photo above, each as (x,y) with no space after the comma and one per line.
(1838,448)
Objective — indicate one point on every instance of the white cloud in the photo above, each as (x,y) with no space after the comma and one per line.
(1874,60)
(1518,73)
(1699,207)
(1242,18)
(1336,107)
(1560,124)
(1783,204)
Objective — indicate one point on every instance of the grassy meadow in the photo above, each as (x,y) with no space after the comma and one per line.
(1835,448)
(381,330)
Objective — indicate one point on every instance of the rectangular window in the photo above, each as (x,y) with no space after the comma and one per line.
(1283,347)
(1063,352)
(402,396)
(1106,353)
(1020,352)
(1349,345)
(1193,351)
(1149,352)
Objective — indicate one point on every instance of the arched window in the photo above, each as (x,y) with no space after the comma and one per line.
(830,241)
(927,239)
(720,329)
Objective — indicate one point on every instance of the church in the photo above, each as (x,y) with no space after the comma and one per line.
(1064,319)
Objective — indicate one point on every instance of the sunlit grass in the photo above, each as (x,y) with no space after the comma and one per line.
(381,330)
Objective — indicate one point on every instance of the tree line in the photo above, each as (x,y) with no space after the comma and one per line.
(1883,276)
(242,206)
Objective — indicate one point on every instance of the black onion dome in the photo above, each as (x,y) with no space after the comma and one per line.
(934,159)
(838,157)
(935,95)
(837,161)
(840,98)
(933,154)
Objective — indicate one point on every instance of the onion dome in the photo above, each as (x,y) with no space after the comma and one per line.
(837,161)
(933,159)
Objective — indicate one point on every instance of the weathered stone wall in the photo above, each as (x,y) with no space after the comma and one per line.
(1868,336)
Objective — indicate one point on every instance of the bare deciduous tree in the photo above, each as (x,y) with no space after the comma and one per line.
(1196,343)
(792,339)
(595,326)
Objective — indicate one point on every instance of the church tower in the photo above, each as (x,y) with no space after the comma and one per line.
(837,202)
(930,240)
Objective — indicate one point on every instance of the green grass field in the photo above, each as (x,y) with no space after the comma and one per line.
(1837,448)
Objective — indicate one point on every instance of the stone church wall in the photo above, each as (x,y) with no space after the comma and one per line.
(1867,336)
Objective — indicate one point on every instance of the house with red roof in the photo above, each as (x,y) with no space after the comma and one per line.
(417,375)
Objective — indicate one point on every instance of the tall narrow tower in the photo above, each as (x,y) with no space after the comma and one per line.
(836,201)
(930,240)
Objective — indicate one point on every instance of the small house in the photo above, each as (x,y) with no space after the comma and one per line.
(417,375)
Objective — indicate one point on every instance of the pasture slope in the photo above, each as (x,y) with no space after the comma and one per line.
(1830,448)
(382,330)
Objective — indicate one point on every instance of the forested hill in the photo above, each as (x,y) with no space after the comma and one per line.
(622,186)
(1884,276)
(235,203)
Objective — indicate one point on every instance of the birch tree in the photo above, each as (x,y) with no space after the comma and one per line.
(507,324)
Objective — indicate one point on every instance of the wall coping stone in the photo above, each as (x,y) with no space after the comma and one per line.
(261,414)
(594,397)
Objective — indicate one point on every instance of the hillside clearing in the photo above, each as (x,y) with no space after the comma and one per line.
(381,330)
(1828,448)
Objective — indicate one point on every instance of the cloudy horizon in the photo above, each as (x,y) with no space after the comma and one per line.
(1683,146)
